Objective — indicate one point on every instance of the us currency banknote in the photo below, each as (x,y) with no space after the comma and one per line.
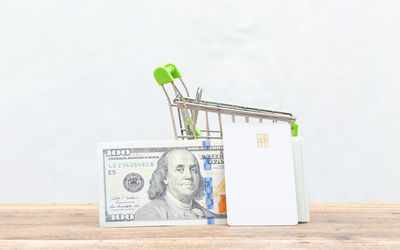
(162,183)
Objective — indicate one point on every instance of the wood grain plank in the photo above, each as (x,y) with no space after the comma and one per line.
(197,244)
(74,225)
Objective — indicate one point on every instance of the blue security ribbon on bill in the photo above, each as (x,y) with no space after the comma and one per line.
(207,163)
(206,144)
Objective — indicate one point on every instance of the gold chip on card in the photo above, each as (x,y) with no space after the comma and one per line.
(262,140)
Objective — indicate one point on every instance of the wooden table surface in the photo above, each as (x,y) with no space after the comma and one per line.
(336,225)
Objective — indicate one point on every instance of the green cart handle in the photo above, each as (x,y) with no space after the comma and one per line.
(166,74)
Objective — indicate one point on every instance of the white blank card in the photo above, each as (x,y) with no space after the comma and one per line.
(259,174)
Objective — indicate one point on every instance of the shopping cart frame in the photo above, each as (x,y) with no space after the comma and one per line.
(188,109)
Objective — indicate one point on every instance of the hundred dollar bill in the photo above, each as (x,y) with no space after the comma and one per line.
(162,183)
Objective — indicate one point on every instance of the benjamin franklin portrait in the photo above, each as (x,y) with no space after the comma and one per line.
(175,186)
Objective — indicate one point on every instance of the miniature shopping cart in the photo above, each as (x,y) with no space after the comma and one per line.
(187,109)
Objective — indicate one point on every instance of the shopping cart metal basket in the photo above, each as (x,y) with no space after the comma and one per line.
(187,109)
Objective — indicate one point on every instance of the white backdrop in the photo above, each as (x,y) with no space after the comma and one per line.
(75,73)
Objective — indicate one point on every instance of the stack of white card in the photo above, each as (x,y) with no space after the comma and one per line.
(265,177)
(301,180)
(259,174)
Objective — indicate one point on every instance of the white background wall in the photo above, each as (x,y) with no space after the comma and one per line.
(75,73)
